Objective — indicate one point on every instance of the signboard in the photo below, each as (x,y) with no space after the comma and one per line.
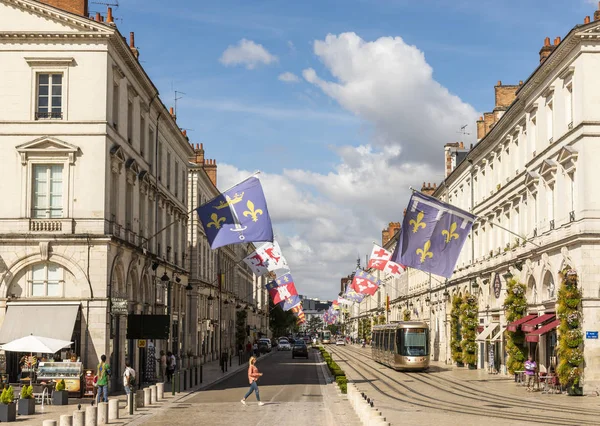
(497,286)
(141,343)
(147,326)
(150,362)
(591,334)
(118,306)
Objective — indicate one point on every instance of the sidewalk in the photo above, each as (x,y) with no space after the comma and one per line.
(211,375)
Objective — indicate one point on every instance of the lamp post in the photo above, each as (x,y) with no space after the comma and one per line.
(187,326)
(167,281)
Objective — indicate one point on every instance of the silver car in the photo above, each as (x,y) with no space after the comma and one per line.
(284,345)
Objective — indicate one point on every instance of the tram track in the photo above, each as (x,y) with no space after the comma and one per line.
(473,393)
(417,398)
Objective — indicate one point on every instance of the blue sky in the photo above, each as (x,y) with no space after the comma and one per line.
(362,122)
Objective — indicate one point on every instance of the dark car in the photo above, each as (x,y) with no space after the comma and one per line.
(299,349)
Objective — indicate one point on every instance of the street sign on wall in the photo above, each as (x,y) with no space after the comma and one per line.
(591,334)
(118,306)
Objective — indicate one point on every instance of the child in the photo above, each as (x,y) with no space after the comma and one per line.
(530,367)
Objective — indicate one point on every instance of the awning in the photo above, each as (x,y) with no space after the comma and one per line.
(529,326)
(55,321)
(534,336)
(513,326)
(498,336)
(487,332)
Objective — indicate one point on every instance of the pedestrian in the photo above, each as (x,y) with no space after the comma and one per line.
(530,367)
(253,375)
(248,349)
(255,348)
(163,365)
(103,373)
(170,366)
(128,379)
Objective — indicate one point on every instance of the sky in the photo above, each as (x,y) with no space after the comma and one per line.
(342,105)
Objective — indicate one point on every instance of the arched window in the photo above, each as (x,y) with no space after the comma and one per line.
(549,287)
(531,291)
(46,280)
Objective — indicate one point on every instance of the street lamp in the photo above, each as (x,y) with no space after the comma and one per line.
(167,281)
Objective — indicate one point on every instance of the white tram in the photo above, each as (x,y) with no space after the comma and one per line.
(402,345)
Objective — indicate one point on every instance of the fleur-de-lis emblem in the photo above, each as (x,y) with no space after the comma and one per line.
(449,233)
(251,212)
(416,224)
(216,221)
(424,252)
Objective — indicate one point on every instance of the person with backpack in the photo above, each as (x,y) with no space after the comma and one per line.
(128,378)
(170,366)
(103,374)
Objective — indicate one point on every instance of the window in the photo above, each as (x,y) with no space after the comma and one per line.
(532,135)
(550,120)
(130,122)
(142,136)
(46,280)
(129,206)
(151,143)
(176,179)
(159,162)
(49,96)
(569,105)
(115,106)
(114,195)
(47,191)
(168,169)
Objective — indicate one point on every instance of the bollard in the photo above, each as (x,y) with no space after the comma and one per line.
(49,423)
(91,416)
(66,420)
(173,380)
(130,403)
(178,381)
(139,399)
(153,396)
(113,409)
(102,413)
(201,374)
(79,418)
(160,391)
(184,380)
(147,400)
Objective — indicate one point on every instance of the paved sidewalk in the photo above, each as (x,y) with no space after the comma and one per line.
(211,375)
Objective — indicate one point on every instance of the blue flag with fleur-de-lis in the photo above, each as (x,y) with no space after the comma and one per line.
(238,215)
(433,234)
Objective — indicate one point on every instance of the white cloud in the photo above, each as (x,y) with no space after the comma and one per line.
(389,83)
(247,53)
(288,77)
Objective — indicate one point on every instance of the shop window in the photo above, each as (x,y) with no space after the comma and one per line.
(46,280)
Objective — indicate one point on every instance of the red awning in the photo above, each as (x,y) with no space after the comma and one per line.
(529,326)
(534,336)
(515,324)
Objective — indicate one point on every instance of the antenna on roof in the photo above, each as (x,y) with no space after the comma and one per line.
(463,130)
(116,3)
(175,99)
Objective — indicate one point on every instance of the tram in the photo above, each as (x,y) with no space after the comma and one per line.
(325,337)
(402,345)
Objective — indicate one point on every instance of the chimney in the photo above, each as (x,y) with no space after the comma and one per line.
(385,237)
(586,20)
(480,129)
(199,154)
(597,13)
(428,189)
(505,94)
(136,53)
(556,41)
(109,16)
(393,228)
(546,50)
(172,113)
(97,16)
(210,167)
(78,7)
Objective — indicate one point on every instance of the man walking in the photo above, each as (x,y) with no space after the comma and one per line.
(128,379)
(103,372)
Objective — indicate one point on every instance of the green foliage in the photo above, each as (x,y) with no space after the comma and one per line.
(7,395)
(406,315)
(281,322)
(333,328)
(341,379)
(570,352)
(314,324)
(455,335)
(381,319)
(515,307)
(60,385)
(364,328)
(468,323)
(240,327)
(27,392)
(344,388)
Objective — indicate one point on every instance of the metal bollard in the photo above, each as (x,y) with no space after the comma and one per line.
(184,380)
(130,403)
(173,383)
(66,420)
(102,413)
(79,418)
(179,381)
(113,409)
(201,374)
(91,416)
(230,356)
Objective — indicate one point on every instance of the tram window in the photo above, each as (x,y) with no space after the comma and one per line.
(413,342)
(377,339)
(385,340)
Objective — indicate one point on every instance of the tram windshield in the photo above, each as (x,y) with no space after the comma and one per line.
(413,342)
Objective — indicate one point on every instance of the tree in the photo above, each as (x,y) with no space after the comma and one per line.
(515,307)
(281,322)
(333,328)
(314,324)
(240,327)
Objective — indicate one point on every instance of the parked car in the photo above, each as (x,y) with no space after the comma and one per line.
(266,343)
(284,345)
(340,342)
(300,349)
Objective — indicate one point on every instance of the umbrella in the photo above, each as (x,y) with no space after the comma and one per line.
(32,344)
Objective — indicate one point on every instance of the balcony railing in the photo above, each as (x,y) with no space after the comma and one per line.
(44,115)
(45,225)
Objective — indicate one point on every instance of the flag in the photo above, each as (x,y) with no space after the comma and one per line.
(380,259)
(344,301)
(238,215)
(432,236)
(335,305)
(267,258)
(353,296)
(290,303)
(365,283)
(282,288)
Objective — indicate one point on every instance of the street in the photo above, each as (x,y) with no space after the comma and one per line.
(292,390)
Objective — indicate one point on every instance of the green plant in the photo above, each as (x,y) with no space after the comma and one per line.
(240,328)
(570,353)
(344,388)
(27,392)
(515,306)
(60,385)
(455,335)
(341,380)
(406,314)
(468,323)
(7,396)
